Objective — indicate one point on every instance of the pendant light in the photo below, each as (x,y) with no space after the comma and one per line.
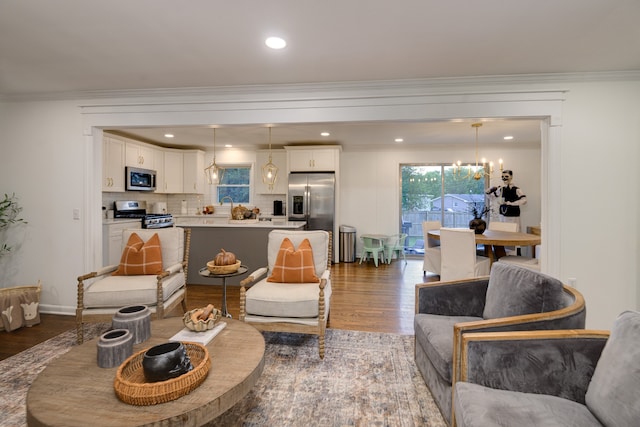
(214,172)
(269,171)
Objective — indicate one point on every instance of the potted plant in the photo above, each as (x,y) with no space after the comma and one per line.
(478,210)
(19,306)
(9,211)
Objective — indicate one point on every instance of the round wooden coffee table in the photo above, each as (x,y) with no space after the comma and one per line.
(73,391)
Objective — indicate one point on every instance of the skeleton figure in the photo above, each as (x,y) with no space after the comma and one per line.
(511,198)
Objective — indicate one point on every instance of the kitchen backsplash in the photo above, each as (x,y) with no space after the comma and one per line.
(264,202)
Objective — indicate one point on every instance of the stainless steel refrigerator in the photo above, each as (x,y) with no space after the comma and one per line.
(312,199)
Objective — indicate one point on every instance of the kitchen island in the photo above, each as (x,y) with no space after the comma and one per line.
(246,239)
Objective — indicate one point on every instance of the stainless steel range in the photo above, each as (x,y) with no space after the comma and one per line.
(138,209)
(157,221)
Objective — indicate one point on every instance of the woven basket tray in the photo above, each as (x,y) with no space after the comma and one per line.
(223,269)
(132,388)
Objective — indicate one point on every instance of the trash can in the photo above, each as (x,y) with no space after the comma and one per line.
(347,243)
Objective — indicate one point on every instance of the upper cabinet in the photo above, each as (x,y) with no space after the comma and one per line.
(113,164)
(140,156)
(193,171)
(173,171)
(279,158)
(158,162)
(317,158)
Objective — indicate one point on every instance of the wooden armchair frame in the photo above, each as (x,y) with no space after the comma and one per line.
(87,315)
(276,326)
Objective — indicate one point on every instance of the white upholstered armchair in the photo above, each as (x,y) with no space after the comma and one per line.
(285,306)
(101,294)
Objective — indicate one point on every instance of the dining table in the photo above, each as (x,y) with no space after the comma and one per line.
(494,241)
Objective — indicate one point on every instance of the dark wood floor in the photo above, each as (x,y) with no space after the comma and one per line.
(365,298)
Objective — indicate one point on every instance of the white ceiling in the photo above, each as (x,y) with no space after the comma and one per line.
(526,133)
(78,46)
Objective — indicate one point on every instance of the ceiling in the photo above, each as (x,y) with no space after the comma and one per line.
(85,46)
(350,135)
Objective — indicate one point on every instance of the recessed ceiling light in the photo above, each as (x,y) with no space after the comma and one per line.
(275,42)
(399,140)
(168,135)
(228,145)
(325,134)
(508,138)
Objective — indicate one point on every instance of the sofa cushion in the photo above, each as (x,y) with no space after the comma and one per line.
(478,406)
(515,290)
(298,300)
(140,257)
(435,334)
(614,393)
(120,291)
(294,265)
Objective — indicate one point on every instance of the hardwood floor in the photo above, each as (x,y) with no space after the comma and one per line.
(365,298)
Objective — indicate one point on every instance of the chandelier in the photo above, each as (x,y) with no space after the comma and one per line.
(214,172)
(481,168)
(269,170)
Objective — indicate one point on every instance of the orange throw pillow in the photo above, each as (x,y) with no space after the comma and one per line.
(140,258)
(294,266)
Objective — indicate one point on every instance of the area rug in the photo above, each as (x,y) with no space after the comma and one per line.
(365,379)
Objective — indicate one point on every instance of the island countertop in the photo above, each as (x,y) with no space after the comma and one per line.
(205,221)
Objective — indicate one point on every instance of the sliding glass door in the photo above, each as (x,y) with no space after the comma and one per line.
(435,193)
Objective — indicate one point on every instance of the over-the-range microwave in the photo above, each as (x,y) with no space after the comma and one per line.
(140,179)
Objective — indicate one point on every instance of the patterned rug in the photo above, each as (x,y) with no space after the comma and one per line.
(365,379)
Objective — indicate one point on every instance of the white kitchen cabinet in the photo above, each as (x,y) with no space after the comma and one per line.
(173,172)
(112,239)
(318,159)
(158,163)
(193,171)
(140,156)
(279,158)
(112,164)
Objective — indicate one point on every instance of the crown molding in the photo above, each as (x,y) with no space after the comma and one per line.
(448,85)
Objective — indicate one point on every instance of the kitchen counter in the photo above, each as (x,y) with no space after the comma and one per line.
(206,221)
(121,221)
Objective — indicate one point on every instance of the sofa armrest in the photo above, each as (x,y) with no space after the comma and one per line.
(558,363)
(455,298)
(81,282)
(175,268)
(325,275)
(253,277)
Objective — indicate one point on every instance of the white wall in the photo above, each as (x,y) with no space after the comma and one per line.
(371,183)
(600,197)
(43,161)
(48,160)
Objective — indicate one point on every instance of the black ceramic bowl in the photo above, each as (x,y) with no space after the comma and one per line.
(165,361)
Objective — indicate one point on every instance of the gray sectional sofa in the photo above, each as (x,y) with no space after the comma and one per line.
(512,298)
(551,378)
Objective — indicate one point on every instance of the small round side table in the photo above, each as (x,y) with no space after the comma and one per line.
(204,272)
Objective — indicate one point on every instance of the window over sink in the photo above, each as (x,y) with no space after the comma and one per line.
(236,184)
